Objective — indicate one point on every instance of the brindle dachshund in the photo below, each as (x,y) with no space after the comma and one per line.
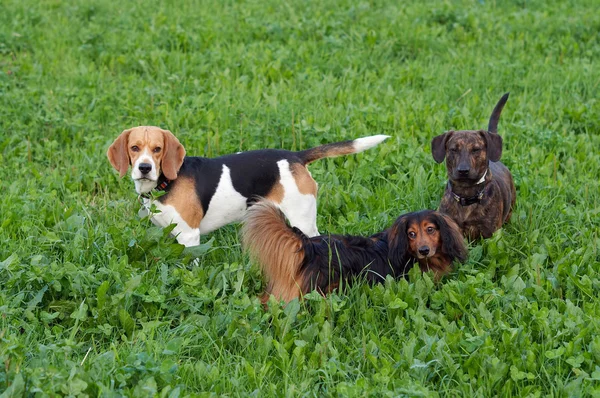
(480,193)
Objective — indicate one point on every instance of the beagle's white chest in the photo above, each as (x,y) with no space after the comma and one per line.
(166,215)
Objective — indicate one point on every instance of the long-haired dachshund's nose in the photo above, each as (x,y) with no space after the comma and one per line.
(424,250)
(145,168)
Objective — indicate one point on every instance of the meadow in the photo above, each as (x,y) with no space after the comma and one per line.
(95,301)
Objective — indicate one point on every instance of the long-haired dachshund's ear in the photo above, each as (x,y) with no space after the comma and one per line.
(173,156)
(438,146)
(117,153)
(494,145)
(398,242)
(453,243)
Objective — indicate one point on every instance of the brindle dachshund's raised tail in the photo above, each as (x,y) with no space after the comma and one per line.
(495,117)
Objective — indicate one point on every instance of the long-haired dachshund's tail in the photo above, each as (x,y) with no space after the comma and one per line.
(277,247)
(340,148)
(495,117)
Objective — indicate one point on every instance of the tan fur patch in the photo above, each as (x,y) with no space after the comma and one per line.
(164,148)
(146,138)
(329,150)
(276,193)
(118,153)
(306,184)
(420,237)
(184,199)
(439,264)
(269,240)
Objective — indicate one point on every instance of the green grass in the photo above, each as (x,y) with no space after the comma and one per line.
(94,301)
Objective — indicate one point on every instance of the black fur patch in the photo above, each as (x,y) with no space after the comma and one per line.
(253,173)
(329,259)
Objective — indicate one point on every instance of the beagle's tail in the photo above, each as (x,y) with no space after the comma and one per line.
(277,247)
(341,148)
(495,117)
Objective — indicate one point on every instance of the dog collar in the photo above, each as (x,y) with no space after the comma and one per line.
(467,201)
(471,199)
(159,188)
(482,179)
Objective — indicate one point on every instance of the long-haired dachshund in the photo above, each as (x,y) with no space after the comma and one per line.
(295,264)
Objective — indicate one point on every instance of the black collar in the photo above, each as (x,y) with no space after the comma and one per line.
(471,199)
(159,188)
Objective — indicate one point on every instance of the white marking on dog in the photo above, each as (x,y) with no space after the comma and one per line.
(362,144)
(144,186)
(299,208)
(226,206)
(168,215)
(482,179)
(144,183)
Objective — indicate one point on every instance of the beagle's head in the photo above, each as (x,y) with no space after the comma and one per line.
(151,151)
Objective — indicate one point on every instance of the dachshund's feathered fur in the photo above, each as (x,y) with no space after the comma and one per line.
(295,264)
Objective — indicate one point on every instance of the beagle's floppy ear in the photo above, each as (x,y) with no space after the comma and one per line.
(173,155)
(398,243)
(438,146)
(494,145)
(118,155)
(453,243)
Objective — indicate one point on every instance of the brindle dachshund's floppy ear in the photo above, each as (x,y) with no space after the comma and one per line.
(398,242)
(173,155)
(494,145)
(438,146)
(117,153)
(453,243)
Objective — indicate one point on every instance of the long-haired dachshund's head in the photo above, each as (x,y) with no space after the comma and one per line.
(431,238)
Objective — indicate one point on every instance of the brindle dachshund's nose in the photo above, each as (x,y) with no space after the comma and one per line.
(463,171)
(145,168)
(424,250)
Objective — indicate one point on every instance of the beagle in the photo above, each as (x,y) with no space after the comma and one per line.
(203,194)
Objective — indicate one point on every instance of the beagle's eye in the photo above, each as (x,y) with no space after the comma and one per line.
(157,149)
(476,150)
(430,230)
(135,148)
(454,149)
(412,235)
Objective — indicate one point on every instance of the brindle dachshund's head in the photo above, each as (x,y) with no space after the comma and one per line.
(468,152)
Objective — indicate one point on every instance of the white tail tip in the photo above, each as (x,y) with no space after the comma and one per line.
(362,144)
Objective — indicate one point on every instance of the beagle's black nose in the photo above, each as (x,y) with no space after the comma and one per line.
(424,250)
(145,168)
